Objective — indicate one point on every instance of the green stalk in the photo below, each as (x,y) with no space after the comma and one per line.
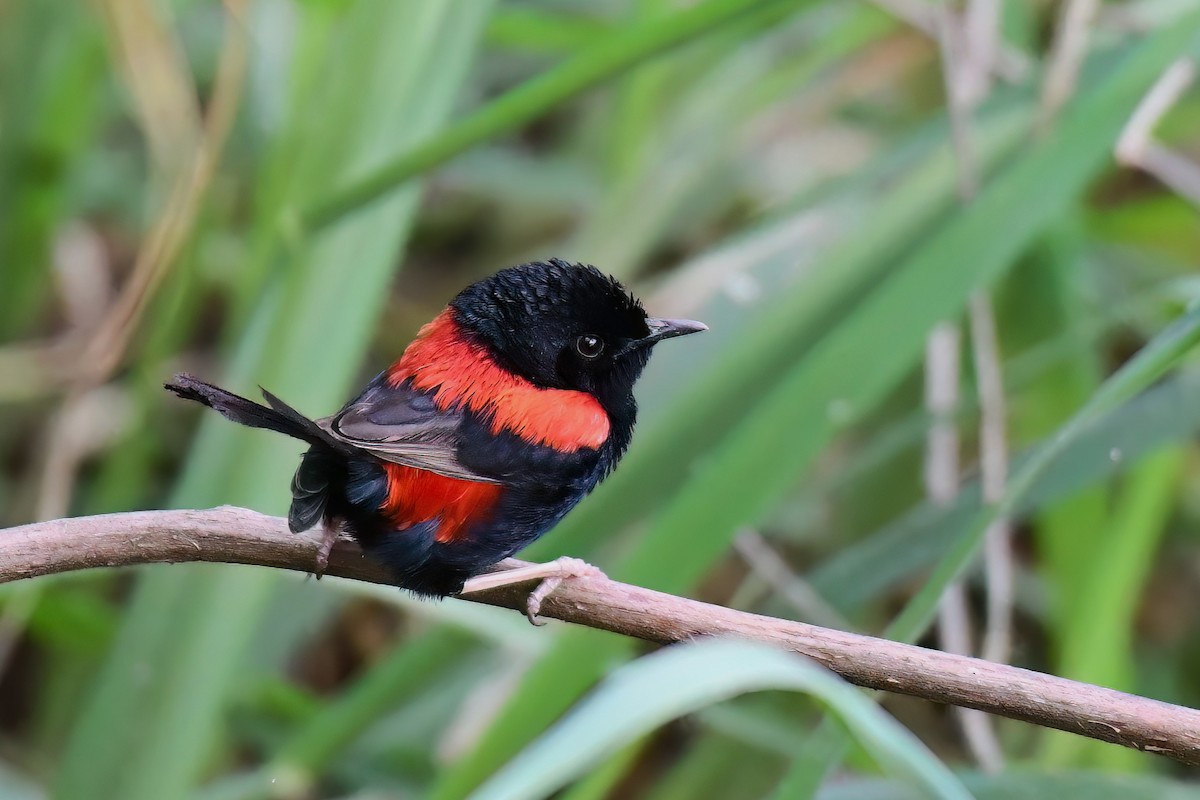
(1101,648)
(612,56)
(807,772)
(405,671)
(866,353)
(1153,361)
(154,720)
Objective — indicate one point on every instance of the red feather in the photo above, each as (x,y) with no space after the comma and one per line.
(462,373)
(416,496)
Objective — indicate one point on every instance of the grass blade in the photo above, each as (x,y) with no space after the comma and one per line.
(148,734)
(1152,362)
(761,458)
(911,543)
(1099,646)
(1027,786)
(772,336)
(604,60)
(678,680)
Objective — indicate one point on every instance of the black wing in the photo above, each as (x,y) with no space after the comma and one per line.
(403,426)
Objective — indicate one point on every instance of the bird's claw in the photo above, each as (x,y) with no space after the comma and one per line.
(329,536)
(533,605)
(549,575)
(567,568)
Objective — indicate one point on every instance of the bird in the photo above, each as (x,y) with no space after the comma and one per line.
(504,412)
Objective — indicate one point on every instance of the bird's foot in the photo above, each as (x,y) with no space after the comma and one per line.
(551,575)
(567,568)
(329,537)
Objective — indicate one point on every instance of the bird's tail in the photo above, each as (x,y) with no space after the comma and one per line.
(321,464)
(279,417)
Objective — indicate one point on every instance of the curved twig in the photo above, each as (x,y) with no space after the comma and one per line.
(235,535)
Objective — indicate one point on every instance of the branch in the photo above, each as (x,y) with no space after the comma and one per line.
(235,535)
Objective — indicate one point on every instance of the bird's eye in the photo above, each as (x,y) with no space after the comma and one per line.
(589,345)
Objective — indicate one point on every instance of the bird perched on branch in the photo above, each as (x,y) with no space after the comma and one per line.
(504,412)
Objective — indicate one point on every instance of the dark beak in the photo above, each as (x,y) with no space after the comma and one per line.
(670,328)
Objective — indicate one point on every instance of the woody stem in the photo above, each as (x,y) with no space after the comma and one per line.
(235,535)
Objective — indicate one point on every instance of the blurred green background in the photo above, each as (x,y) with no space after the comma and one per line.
(280,192)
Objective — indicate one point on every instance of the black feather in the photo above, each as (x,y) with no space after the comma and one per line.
(247,412)
(528,320)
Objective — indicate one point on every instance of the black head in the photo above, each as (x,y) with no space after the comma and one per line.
(565,326)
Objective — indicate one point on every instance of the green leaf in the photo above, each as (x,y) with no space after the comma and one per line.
(1152,361)
(51,72)
(402,674)
(1099,646)
(1026,786)
(846,373)
(870,345)
(913,542)
(658,688)
(148,729)
(607,58)
(804,295)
